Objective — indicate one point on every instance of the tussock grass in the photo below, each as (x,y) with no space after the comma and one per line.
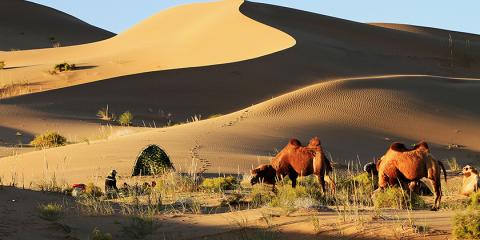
(219,184)
(48,140)
(125,119)
(51,211)
(14,89)
(397,198)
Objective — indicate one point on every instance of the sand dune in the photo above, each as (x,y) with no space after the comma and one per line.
(354,85)
(42,28)
(352,116)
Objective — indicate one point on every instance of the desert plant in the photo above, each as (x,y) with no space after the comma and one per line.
(139,227)
(453,164)
(48,140)
(395,197)
(125,119)
(64,67)
(219,184)
(98,235)
(103,114)
(93,191)
(467,225)
(260,196)
(2,65)
(51,211)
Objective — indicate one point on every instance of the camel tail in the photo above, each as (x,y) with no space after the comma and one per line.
(328,166)
(443,168)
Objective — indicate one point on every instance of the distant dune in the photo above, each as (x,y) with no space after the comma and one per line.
(27,25)
(274,72)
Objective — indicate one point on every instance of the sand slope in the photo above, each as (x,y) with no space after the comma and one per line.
(27,25)
(354,85)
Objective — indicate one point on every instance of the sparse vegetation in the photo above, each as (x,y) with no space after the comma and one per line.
(125,119)
(139,227)
(93,191)
(2,65)
(219,184)
(63,67)
(14,89)
(99,235)
(396,197)
(467,222)
(48,140)
(453,164)
(51,211)
(105,115)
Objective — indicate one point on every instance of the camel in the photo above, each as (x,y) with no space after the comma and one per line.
(400,164)
(471,180)
(296,160)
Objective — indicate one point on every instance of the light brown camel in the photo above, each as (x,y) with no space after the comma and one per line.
(295,160)
(400,164)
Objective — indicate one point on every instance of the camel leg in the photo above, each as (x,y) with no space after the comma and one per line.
(438,194)
(331,183)
(293,177)
(321,180)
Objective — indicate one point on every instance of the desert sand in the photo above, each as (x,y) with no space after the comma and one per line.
(271,72)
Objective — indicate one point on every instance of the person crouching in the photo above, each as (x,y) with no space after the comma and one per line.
(111,190)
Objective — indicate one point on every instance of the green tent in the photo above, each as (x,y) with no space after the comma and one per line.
(151,161)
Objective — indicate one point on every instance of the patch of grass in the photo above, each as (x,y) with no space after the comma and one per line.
(91,206)
(48,140)
(98,235)
(467,225)
(306,195)
(261,196)
(453,164)
(14,89)
(139,227)
(93,191)
(64,67)
(125,119)
(105,115)
(51,211)
(219,184)
(395,197)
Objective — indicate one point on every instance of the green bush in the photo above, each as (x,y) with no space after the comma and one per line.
(219,184)
(64,67)
(152,161)
(395,197)
(48,140)
(261,196)
(125,119)
(467,225)
(98,235)
(2,65)
(51,211)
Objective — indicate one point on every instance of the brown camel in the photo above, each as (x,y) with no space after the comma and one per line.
(295,160)
(400,164)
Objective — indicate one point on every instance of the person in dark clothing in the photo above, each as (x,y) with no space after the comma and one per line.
(111,184)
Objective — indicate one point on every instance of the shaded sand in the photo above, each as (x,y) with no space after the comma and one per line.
(26,25)
(186,36)
(20,220)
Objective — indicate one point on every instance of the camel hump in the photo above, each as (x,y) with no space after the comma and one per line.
(422,144)
(400,147)
(315,142)
(295,142)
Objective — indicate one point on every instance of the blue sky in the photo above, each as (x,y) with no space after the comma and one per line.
(119,15)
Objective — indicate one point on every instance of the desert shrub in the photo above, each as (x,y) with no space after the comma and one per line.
(125,119)
(93,191)
(51,211)
(105,115)
(2,65)
(64,67)
(395,197)
(139,227)
(92,206)
(306,195)
(152,161)
(98,235)
(219,184)
(467,225)
(170,182)
(48,140)
(453,164)
(261,196)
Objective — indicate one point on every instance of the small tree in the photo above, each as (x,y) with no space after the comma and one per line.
(125,119)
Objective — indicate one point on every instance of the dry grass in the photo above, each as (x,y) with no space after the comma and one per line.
(14,89)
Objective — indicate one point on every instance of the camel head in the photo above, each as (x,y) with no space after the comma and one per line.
(263,173)
(469,170)
(371,168)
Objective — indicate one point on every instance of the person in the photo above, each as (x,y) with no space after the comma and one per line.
(111,184)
